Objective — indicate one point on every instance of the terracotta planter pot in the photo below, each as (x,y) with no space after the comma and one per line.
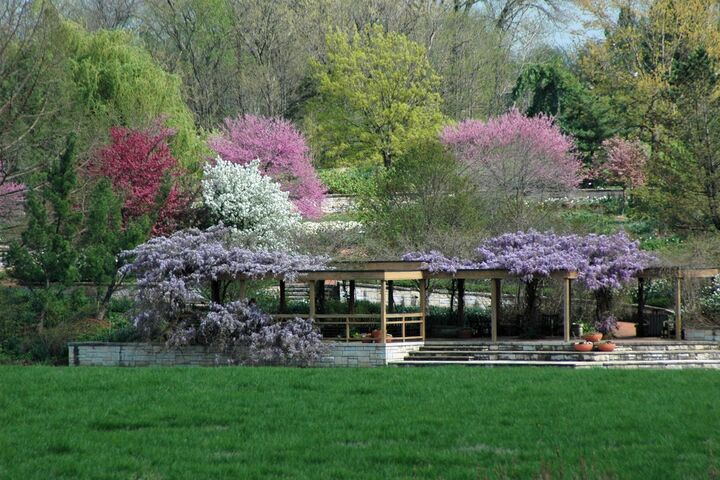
(606,347)
(368,339)
(593,337)
(583,347)
(465,333)
(376,333)
(388,339)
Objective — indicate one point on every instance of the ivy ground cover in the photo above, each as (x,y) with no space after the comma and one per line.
(163,423)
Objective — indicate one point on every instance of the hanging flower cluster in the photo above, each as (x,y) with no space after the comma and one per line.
(173,278)
(434,261)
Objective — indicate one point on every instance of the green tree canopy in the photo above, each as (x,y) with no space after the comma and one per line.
(377,94)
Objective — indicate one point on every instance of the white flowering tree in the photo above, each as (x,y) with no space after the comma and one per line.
(241,197)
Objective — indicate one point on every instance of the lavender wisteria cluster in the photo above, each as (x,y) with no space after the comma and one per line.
(434,261)
(603,263)
(174,279)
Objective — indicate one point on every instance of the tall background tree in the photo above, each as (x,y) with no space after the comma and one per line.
(377,93)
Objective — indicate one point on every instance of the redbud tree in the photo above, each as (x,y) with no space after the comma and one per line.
(512,156)
(282,152)
(144,172)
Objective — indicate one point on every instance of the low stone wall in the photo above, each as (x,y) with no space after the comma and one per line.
(703,334)
(145,354)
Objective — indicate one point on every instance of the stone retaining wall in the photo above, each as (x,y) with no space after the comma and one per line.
(145,354)
(704,334)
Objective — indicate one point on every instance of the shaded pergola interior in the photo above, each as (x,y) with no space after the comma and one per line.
(386,272)
(678,274)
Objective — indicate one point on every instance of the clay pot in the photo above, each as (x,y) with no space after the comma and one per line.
(465,333)
(367,339)
(606,347)
(583,347)
(593,337)
(388,339)
(376,333)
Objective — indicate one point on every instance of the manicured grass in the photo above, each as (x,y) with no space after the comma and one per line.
(166,423)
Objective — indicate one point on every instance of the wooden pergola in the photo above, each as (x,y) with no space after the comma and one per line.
(678,274)
(387,271)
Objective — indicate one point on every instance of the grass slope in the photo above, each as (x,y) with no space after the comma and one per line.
(166,423)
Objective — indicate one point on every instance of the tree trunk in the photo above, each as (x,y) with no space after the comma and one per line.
(215,291)
(391,296)
(320,299)
(105,302)
(532,314)
(283,301)
(351,297)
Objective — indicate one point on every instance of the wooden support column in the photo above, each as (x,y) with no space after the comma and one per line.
(391,296)
(351,297)
(461,302)
(383,311)
(641,300)
(283,301)
(678,308)
(242,290)
(423,306)
(311,299)
(495,307)
(567,289)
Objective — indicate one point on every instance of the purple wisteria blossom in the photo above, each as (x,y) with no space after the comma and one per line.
(434,261)
(175,278)
(530,255)
(609,261)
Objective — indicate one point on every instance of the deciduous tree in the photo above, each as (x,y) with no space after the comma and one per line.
(282,154)
(377,94)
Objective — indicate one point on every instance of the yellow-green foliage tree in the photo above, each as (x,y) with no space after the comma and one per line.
(116,82)
(377,95)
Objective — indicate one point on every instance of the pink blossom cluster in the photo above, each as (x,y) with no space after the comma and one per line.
(624,162)
(137,162)
(283,154)
(515,153)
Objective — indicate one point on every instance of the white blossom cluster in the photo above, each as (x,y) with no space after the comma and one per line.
(241,197)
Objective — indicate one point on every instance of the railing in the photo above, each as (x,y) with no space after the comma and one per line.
(347,327)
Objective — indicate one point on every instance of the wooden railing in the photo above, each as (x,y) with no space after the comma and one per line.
(347,322)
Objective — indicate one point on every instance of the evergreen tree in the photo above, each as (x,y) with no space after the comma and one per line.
(46,260)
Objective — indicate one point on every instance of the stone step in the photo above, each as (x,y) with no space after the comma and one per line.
(425,355)
(564,346)
(656,364)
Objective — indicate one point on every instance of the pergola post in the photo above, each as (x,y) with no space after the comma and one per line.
(391,296)
(641,301)
(461,302)
(311,298)
(383,311)
(495,305)
(351,297)
(678,307)
(567,290)
(423,306)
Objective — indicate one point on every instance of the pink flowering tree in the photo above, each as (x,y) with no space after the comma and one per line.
(621,162)
(12,197)
(283,155)
(144,173)
(512,157)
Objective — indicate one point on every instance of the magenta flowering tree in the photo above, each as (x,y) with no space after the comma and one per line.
(512,156)
(282,152)
(607,262)
(192,267)
(532,256)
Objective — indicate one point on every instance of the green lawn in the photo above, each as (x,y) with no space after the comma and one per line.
(196,423)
